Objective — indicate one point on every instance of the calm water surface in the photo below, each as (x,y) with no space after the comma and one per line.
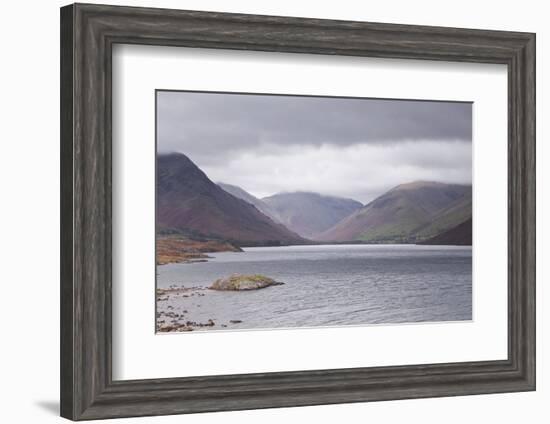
(329,285)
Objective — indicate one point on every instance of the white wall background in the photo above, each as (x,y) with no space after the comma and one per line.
(29,224)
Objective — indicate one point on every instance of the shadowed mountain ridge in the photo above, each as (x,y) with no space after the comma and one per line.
(189,202)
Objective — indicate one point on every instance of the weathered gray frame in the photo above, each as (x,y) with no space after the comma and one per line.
(88,33)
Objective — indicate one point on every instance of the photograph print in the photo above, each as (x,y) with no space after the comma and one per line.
(283,211)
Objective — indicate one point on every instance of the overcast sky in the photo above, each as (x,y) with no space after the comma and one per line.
(356,148)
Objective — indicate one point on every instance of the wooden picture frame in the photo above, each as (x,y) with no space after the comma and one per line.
(88,33)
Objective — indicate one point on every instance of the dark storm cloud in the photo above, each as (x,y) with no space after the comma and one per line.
(239,122)
(284,143)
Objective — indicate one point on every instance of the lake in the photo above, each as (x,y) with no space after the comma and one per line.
(327,285)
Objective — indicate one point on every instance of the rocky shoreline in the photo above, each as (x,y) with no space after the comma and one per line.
(173,316)
(172,319)
(181,249)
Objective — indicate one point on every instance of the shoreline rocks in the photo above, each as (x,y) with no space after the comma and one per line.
(173,316)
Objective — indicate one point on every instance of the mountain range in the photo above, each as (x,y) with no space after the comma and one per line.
(310,214)
(307,214)
(189,203)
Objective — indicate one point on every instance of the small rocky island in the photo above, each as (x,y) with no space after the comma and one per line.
(238,282)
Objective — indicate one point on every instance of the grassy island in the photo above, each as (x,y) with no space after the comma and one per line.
(239,282)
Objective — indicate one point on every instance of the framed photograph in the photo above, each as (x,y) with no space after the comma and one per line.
(263,211)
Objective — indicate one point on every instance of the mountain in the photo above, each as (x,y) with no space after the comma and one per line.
(407,213)
(461,235)
(190,203)
(310,214)
(247,197)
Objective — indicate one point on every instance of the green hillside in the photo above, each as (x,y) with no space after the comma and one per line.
(408,213)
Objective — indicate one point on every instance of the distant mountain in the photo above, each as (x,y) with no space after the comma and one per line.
(247,197)
(310,214)
(189,202)
(407,213)
(461,235)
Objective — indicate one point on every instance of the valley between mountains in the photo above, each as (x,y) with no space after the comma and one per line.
(196,216)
